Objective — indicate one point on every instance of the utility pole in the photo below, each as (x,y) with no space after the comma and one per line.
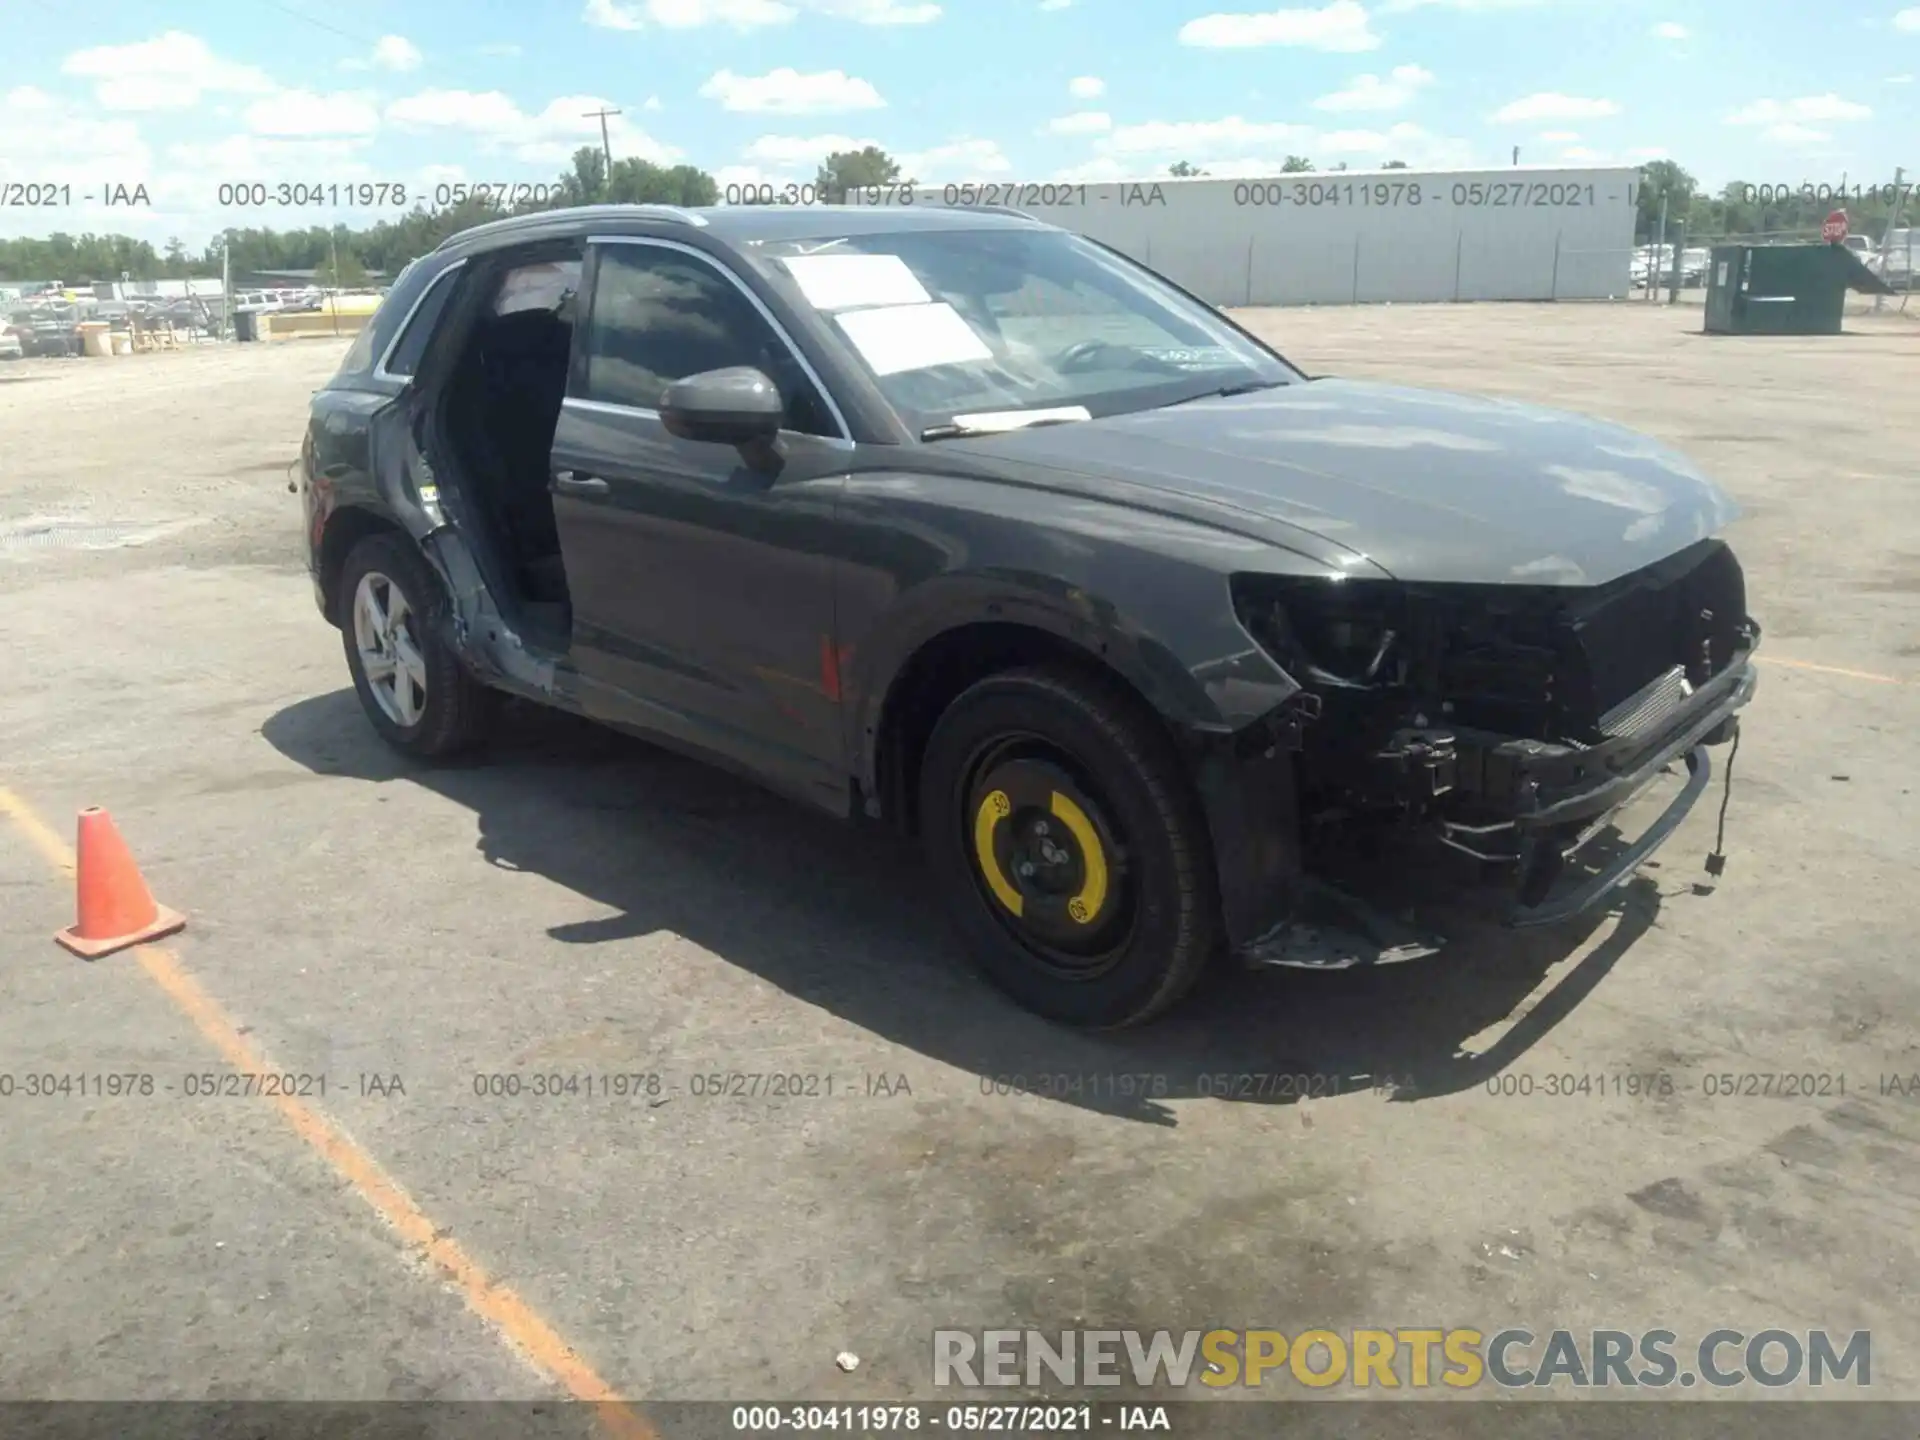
(333,260)
(1657,261)
(226,284)
(1516,155)
(606,145)
(1886,238)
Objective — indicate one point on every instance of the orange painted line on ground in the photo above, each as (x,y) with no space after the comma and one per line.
(510,1317)
(1835,670)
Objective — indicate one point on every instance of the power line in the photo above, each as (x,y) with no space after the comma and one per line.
(322,24)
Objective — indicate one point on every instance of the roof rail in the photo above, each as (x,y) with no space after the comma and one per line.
(1003,210)
(679,214)
(675,212)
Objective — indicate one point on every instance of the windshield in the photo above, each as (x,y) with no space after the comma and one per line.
(998,327)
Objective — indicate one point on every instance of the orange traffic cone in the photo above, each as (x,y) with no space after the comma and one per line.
(115,907)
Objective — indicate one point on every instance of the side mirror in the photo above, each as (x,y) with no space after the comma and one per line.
(735,406)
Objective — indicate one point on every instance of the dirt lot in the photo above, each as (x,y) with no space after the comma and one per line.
(578,903)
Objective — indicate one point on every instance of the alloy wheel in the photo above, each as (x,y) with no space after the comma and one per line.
(390,658)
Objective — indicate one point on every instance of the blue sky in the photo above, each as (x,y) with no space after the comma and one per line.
(182,97)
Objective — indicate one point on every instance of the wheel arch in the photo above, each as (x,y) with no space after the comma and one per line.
(938,670)
(346,527)
(1205,706)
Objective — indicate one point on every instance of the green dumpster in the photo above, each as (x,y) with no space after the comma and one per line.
(1783,289)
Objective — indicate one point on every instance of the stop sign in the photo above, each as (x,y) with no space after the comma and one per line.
(1835,228)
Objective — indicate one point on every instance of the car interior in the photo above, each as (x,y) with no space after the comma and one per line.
(499,410)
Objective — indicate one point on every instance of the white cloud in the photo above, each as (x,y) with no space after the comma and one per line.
(1899,79)
(1639,154)
(1401,6)
(1559,137)
(797,152)
(1419,147)
(1671,30)
(172,72)
(302,113)
(90,150)
(737,178)
(507,49)
(1055,4)
(1203,137)
(1340,26)
(1548,105)
(396,52)
(1908,19)
(1815,108)
(1092,172)
(653,103)
(750,14)
(1791,134)
(877,12)
(1581,155)
(686,14)
(265,157)
(1370,92)
(1086,122)
(1086,87)
(547,138)
(487,112)
(960,160)
(788,92)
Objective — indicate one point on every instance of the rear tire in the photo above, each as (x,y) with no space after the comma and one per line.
(393,611)
(1069,846)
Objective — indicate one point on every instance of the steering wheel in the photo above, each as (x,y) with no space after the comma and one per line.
(1070,360)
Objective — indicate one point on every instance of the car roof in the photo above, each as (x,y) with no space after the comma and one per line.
(737,224)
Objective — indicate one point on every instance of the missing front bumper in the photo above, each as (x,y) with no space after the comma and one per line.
(1561,813)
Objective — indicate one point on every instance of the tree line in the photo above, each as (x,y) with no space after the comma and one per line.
(343,256)
(1785,207)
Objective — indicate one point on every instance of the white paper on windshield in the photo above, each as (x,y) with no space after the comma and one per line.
(912,337)
(852,282)
(1021,419)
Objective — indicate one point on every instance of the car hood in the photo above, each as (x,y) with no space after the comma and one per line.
(1430,486)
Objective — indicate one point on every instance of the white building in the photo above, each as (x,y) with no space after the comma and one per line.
(1349,237)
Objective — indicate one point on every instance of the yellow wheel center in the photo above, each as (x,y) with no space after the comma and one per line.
(1083,907)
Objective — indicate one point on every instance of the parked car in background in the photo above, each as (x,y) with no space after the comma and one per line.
(1896,262)
(10,346)
(48,329)
(963,524)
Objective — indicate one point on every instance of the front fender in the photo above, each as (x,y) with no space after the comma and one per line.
(1146,594)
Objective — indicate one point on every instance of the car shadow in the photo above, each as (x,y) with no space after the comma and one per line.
(843,917)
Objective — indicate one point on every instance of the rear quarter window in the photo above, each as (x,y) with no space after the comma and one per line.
(420,326)
(359,356)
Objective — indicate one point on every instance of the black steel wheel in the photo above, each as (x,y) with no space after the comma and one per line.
(1070,847)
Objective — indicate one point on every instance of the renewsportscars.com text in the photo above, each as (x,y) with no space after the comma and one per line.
(1410,1358)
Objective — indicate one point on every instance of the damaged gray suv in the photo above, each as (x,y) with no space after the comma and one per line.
(958,522)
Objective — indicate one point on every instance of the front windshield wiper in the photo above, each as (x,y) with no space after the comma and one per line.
(1245,388)
(999,422)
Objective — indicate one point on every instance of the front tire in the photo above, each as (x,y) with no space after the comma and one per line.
(1070,847)
(393,611)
